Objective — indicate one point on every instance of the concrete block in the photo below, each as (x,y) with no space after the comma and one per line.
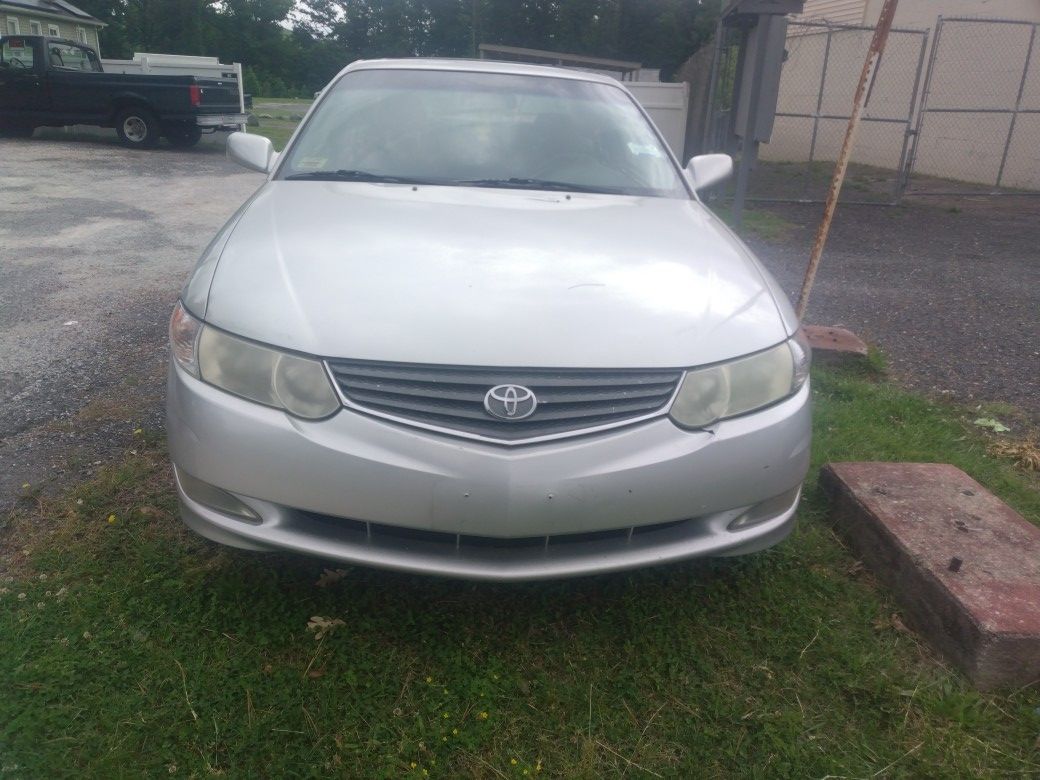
(964,566)
(834,345)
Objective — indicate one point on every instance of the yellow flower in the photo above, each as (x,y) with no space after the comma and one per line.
(512,761)
(138,431)
(455,732)
(25,486)
(483,716)
(445,715)
(429,679)
(413,765)
(111,518)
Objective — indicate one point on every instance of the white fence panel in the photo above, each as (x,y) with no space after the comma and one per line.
(667,104)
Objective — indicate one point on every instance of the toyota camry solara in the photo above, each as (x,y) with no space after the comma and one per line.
(477,323)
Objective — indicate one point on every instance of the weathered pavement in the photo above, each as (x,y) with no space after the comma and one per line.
(95,243)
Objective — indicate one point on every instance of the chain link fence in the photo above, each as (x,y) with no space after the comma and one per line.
(978,128)
(963,118)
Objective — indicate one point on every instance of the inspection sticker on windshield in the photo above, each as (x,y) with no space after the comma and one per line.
(312,163)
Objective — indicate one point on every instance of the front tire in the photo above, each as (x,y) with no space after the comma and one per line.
(183,137)
(137,128)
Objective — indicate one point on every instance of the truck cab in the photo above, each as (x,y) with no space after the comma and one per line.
(55,82)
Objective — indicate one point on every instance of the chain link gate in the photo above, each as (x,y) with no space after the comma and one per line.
(817,82)
(978,129)
(823,64)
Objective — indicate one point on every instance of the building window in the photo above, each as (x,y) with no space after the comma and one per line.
(35,28)
(12,26)
(81,35)
(53,31)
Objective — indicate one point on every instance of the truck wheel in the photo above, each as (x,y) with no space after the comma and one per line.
(137,128)
(183,137)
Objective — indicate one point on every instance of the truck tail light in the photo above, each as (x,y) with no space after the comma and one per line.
(195,94)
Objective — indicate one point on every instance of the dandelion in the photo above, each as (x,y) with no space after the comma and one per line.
(429,680)
(445,715)
(512,761)
(525,771)
(454,732)
(138,431)
(483,716)
(25,486)
(413,765)
(111,519)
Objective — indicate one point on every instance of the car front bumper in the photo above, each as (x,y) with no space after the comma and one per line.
(356,489)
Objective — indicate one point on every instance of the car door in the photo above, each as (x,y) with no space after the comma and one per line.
(75,82)
(22,92)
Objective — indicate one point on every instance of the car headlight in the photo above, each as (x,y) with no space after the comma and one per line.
(268,376)
(708,395)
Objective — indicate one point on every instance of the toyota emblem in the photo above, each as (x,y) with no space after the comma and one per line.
(510,402)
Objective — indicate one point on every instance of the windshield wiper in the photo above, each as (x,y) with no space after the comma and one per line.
(344,174)
(519,183)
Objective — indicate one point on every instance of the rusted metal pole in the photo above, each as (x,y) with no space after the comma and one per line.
(877,46)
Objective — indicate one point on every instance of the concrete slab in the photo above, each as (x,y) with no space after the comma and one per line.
(964,566)
(834,344)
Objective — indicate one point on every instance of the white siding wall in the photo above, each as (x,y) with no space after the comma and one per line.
(838,11)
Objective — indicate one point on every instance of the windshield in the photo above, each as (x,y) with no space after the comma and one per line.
(482,129)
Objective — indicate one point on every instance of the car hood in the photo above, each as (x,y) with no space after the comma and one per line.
(474,276)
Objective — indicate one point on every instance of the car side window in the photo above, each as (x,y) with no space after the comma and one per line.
(65,56)
(16,54)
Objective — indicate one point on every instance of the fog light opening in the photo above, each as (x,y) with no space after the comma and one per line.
(763,511)
(215,498)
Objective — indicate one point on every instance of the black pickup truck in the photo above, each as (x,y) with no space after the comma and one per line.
(55,82)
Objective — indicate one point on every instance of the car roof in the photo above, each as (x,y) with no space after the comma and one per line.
(480,66)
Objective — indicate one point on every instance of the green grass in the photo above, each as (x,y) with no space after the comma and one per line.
(277,118)
(260,102)
(140,649)
(758,222)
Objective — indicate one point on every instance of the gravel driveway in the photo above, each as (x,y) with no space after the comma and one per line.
(95,243)
(948,289)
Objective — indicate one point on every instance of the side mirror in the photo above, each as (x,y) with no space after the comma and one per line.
(252,151)
(707,169)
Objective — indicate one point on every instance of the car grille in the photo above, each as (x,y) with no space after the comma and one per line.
(451,398)
(390,535)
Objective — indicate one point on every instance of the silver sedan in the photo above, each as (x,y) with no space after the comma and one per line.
(477,323)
